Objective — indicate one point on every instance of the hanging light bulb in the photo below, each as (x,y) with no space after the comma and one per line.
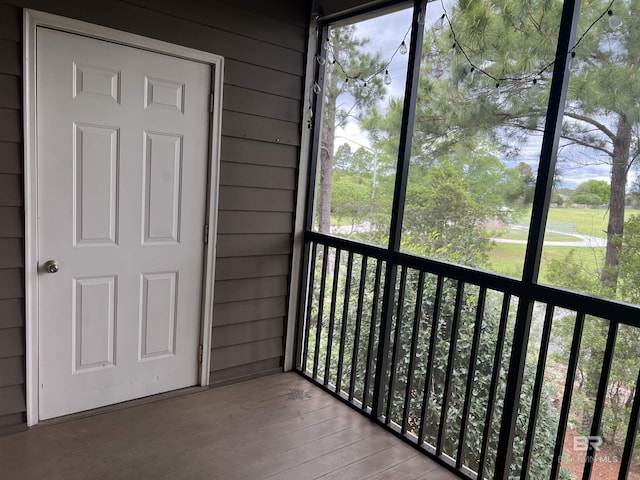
(439,24)
(387,78)
(365,90)
(320,60)
(614,20)
(535,87)
(573,62)
(331,65)
(326,45)
(403,48)
(452,51)
(494,95)
(471,75)
(316,88)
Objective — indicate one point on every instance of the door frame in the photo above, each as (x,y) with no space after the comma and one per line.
(32,20)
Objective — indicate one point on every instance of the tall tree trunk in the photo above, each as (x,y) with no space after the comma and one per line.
(615,228)
(326,175)
(330,92)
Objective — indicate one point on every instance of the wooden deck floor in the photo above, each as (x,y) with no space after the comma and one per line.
(279,426)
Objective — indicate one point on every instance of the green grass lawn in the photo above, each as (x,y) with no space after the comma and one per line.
(586,221)
(521,234)
(507,259)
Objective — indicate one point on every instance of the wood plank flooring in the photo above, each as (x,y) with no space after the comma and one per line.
(276,427)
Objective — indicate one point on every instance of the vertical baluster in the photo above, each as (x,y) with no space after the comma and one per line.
(477,328)
(632,430)
(493,387)
(446,396)
(537,390)
(412,355)
(607,361)
(323,283)
(345,315)
(568,393)
(356,336)
(396,343)
(332,316)
(372,332)
(310,294)
(433,336)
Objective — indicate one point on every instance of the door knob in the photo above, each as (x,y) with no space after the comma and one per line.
(52,266)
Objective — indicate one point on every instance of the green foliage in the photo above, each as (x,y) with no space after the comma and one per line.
(351,198)
(442,218)
(519,185)
(592,192)
(402,332)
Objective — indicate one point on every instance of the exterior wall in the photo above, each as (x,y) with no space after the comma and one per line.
(264,48)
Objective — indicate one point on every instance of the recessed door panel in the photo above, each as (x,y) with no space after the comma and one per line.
(94,323)
(96,184)
(162,187)
(158,314)
(96,81)
(162,93)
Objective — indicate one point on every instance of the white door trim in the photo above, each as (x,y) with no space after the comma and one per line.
(33,19)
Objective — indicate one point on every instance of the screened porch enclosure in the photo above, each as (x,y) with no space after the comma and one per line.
(495,372)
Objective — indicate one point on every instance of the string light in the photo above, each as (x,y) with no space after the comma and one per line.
(614,23)
(535,87)
(614,20)
(366,81)
(387,78)
(534,78)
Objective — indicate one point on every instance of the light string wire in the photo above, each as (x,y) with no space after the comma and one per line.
(529,76)
(384,68)
(458,47)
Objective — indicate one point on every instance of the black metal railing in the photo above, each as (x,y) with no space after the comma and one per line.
(429,359)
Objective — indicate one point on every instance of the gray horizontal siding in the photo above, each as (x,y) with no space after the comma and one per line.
(238,99)
(229,335)
(249,310)
(245,353)
(252,245)
(264,47)
(246,371)
(259,176)
(250,289)
(239,150)
(10,157)
(12,327)
(262,79)
(235,268)
(251,199)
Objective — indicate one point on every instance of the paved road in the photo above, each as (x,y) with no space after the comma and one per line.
(585,240)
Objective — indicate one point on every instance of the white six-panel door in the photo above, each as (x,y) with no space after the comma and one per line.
(123,137)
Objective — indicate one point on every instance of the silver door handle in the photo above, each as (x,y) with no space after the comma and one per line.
(52,266)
